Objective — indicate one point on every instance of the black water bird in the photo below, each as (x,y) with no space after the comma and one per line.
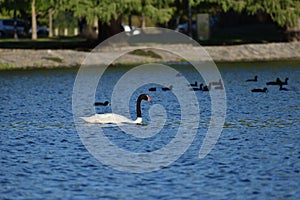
(260,90)
(198,88)
(252,80)
(282,88)
(167,88)
(277,82)
(202,87)
(152,89)
(205,88)
(106,103)
(285,82)
(194,84)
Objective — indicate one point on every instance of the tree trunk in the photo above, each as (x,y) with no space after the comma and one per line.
(130,21)
(50,22)
(189,19)
(142,21)
(15,22)
(33,16)
(107,30)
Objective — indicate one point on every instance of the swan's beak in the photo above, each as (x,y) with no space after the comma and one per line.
(149,99)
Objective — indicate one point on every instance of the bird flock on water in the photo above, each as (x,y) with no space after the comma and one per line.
(218,85)
(277,82)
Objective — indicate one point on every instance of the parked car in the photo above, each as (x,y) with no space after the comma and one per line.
(7,27)
(130,31)
(41,31)
(183,28)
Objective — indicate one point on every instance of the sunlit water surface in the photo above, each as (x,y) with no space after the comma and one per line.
(256,157)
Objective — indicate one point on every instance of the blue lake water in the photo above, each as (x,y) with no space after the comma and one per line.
(256,157)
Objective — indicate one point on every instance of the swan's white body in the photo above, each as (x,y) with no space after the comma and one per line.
(110,118)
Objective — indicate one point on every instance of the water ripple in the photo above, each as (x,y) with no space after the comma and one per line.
(256,157)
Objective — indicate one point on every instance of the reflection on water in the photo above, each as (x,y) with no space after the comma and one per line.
(257,155)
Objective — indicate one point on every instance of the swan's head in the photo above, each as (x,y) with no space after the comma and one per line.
(149,98)
(145,97)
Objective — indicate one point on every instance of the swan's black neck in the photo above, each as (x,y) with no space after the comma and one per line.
(138,104)
(138,108)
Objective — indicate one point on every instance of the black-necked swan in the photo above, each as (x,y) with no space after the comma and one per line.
(252,80)
(106,103)
(260,90)
(114,118)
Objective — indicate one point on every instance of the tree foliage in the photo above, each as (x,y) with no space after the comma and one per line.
(106,10)
(160,11)
(284,12)
(8,6)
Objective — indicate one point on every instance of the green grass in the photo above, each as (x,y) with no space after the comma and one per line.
(5,66)
(146,53)
(55,59)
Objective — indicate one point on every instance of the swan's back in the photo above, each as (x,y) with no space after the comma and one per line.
(107,118)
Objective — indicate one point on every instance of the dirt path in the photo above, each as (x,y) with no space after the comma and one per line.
(12,58)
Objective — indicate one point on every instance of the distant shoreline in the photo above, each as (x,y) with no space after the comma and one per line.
(27,58)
